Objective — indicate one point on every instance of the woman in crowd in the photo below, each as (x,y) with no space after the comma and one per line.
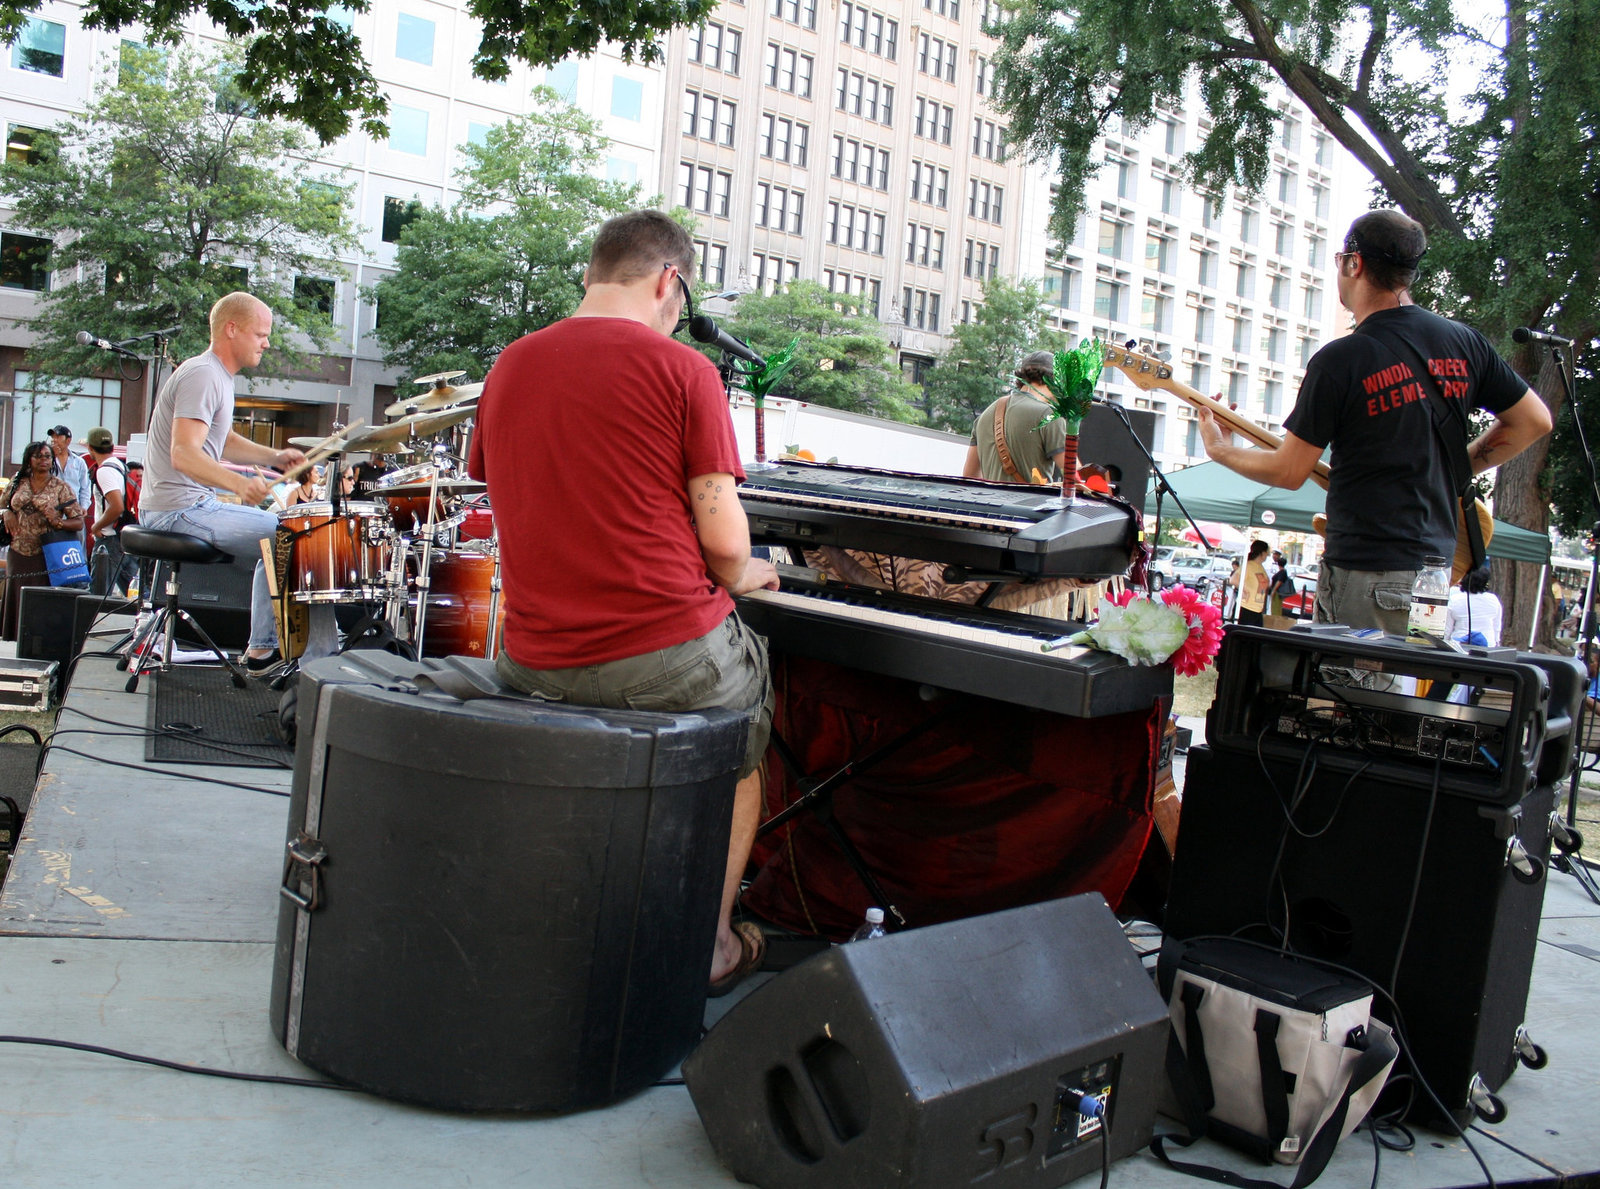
(1253,586)
(36,503)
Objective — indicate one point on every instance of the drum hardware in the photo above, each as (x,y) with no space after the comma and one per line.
(439,398)
(339,557)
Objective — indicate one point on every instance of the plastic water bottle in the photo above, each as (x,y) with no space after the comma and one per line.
(1430,595)
(871,927)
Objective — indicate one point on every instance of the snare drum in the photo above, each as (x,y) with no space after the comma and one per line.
(339,559)
(410,511)
(457,623)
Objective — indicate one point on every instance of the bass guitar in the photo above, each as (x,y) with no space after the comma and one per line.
(1148,373)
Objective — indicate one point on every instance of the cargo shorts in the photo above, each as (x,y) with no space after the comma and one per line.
(726,667)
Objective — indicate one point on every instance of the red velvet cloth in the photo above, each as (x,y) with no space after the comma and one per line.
(995,806)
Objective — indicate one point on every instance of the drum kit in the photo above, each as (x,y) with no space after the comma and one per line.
(417,550)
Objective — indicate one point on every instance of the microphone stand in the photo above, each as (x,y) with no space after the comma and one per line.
(1564,840)
(1163,488)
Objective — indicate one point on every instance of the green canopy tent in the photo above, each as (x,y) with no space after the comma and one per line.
(1212,492)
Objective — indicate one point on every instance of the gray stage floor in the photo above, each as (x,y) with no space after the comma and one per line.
(139,914)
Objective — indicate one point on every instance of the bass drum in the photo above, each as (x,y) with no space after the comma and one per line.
(457,624)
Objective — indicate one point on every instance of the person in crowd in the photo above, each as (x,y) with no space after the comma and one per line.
(191,433)
(1008,444)
(37,502)
(1253,586)
(1230,591)
(69,467)
(1373,396)
(642,615)
(109,566)
(1474,613)
(1280,586)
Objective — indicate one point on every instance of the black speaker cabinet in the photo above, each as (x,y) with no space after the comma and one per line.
(219,599)
(45,618)
(498,904)
(1105,439)
(944,1056)
(1340,882)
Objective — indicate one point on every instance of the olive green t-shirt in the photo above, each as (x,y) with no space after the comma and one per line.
(1030,444)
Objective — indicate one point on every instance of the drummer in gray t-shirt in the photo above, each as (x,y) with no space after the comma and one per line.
(191,432)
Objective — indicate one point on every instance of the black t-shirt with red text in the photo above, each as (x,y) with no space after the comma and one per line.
(1390,502)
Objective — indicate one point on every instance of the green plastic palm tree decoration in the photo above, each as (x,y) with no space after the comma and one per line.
(762,381)
(1071,393)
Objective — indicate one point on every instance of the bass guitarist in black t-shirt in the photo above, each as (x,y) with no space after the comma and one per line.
(1389,398)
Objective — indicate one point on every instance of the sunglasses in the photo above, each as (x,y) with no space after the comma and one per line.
(688,303)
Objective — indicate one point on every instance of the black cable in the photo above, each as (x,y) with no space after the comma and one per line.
(1511,1147)
(79,1046)
(1416,882)
(249,788)
(1105,1154)
(234,747)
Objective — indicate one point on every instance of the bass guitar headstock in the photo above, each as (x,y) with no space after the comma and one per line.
(1145,371)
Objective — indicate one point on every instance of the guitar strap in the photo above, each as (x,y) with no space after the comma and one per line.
(1452,441)
(1000,439)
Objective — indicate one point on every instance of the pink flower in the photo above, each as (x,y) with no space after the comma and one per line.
(1205,630)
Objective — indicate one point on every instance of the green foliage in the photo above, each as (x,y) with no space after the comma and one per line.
(977,369)
(156,201)
(841,359)
(305,65)
(508,258)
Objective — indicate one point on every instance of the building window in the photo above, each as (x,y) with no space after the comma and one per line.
(703,189)
(770,273)
(1273,343)
(41,47)
(1271,397)
(620,169)
(562,78)
(784,140)
(930,184)
(1113,238)
(706,117)
(1205,321)
(408,130)
(1311,309)
(1241,333)
(715,46)
(315,293)
(1249,225)
(713,261)
(924,245)
(1110,300)
(1278,293)
(1155,313)
(796,12)
(1282,238)
(863,96)
(1199,377)
(1286,186)
(919,309)
(1319,200)
(933,121)
(1170,196)
(1308,348)
(779,207)
(945,8)
(1237,382)
(1063,287)
(985,201)
(1321,147)
(43,400)
(24,262)
(413,39)
(1208,262)
(857,161)
(788,70)
(627,98)
(988,140)
(1121,175)
(1314,251)
(1244,284)
(1171,136)
(868,30)
(397,213)
(850,226)
(981,260)
(1158,252)
(937,57)
(22,145)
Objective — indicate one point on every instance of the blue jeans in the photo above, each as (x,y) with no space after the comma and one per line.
(234,529)
(1365,598)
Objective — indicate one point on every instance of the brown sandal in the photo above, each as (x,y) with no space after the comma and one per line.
(752,952)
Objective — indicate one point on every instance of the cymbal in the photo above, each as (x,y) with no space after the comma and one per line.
(441,397)
(438,378)
(386,439)
(446,487)
(306,443)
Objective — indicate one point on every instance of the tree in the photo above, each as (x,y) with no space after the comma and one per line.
(1504,176)
(977,368)
(160,198)
(304,63)
(508,257)
(842,359)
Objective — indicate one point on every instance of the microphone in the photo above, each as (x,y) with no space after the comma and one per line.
(1523,335)
(703,329)
(90,340)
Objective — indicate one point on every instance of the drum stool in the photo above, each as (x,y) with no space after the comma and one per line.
(175,549)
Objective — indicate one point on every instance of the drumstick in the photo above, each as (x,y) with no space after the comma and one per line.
(323,449)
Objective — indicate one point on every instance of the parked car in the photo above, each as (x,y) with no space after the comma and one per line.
(1301,603)
(1166,559)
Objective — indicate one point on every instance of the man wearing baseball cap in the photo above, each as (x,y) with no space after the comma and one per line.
(108,565)
(68,467)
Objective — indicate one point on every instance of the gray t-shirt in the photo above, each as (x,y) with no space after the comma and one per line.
(201,388)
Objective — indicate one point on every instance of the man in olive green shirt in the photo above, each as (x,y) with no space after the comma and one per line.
(1031,446)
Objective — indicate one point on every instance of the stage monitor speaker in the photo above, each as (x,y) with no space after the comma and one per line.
(1104,439)
(1340,880)
(44,622)
(219,599)
(940,1057)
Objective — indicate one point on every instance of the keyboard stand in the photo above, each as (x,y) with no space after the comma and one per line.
(816,795)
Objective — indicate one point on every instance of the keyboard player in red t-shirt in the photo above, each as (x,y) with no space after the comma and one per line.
(612,467)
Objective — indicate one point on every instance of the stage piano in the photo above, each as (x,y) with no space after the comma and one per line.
(989,531)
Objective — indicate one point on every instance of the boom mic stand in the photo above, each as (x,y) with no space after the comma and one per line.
(1163,488)
(1566,839)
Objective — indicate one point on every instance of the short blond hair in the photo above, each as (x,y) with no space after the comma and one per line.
(233,307)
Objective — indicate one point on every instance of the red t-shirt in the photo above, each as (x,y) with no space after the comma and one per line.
(587,434)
